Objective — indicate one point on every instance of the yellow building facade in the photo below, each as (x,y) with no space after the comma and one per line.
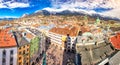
(24,55)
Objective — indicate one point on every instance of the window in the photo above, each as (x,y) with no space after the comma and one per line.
(11,59)
(20,48)
(19,63)
(27,63)
(20,52)
(24,52)
(19,58)
(11,64)
(4,53)
(27,49)
(27,58)
(3,61)
(27,54)
(11,52)
(23,46)
(27,45)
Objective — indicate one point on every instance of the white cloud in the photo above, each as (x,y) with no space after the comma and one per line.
(9,17)
(88,3)
(21,5)
(112,13)
(13,5)
(88,7)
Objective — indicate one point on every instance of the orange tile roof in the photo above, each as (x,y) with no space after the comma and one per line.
(84,29)
(36,25)
(115,41)
(30,36)
(6,38)
(72,31)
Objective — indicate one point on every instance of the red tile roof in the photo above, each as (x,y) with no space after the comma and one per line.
(115,40)
(85,29)
(6,38)
(72,31)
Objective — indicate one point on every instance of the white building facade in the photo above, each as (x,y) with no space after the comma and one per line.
(8,56)
(57,38)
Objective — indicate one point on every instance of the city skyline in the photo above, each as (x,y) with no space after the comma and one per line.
(59,40)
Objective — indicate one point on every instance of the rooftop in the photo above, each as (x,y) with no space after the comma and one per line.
(71,30)
(35,31)
(20,39)
(7,38)
(85,29)
(46,27)
(29,36)
(94,54)
(115,41)
(115,60)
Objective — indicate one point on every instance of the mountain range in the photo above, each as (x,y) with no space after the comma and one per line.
(104,8)
(70,13)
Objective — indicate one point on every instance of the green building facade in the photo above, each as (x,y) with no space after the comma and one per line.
(34,46)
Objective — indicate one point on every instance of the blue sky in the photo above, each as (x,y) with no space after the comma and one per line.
(14,11)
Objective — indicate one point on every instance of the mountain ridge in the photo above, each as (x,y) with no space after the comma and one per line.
(68,12)
(103,8)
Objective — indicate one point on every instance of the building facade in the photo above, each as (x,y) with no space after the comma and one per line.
(23,55)
(56,35)
(8,56)
(8,48)
(14,48)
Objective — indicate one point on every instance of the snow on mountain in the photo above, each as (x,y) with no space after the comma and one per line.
(109,8)
(26,14)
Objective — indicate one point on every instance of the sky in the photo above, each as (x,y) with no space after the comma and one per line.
(16,10)
(13,9)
